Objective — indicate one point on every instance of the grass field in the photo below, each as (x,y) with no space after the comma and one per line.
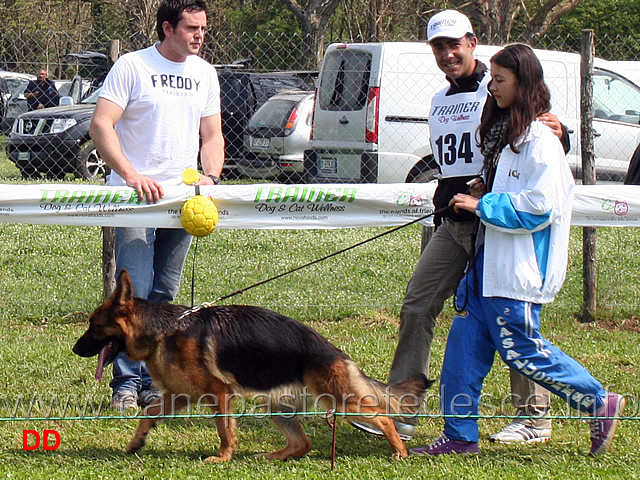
(51,280)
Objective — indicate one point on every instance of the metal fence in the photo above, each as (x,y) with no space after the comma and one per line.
(55,144)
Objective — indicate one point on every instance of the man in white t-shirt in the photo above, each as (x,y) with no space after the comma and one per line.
(159,109)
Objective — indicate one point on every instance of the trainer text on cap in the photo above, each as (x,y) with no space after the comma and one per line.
(449,24)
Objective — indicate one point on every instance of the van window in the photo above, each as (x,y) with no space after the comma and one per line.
(345,80)
(614,98)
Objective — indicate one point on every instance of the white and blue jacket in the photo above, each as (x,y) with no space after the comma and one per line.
(527,217)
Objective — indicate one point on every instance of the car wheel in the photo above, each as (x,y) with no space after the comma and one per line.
(426,170)
(427,176)
(91,164)
(28,172)
(290,178)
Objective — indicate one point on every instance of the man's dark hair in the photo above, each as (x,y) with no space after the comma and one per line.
(171,11)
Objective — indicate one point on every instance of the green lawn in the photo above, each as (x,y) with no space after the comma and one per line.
(51,280)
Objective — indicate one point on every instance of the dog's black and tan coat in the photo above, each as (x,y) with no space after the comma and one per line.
(222,351)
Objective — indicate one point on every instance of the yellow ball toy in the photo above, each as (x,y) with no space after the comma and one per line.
(190,176)
(199,216)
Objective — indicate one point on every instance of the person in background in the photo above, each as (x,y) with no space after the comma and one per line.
(442,263)
(520,264)
(155,107)
(42,92)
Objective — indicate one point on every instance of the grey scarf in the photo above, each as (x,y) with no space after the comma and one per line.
(492,145)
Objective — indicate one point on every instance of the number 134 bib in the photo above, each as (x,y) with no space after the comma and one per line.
(453,122)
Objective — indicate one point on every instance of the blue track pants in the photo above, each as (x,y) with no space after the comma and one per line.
(510,327)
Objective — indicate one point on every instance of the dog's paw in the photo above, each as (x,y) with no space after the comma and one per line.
(134,447)
(270,456)
(218,459)
(399,455)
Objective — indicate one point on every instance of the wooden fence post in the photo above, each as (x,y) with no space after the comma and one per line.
(589,279)
(108,233)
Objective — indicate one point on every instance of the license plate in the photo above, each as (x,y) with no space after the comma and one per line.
(259,142)
(23,156)
(328,165)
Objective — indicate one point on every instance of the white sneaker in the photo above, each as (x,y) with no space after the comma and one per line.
(405,430)
(517,432)
(124,399)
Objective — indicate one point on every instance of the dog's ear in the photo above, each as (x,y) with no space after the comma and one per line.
(124,289)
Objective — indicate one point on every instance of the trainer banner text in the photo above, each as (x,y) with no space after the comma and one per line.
(257,206)
(276,206)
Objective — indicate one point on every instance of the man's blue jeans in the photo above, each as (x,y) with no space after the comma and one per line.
(154,258)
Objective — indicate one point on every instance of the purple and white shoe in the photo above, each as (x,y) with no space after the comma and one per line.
(603,427)
(444,446)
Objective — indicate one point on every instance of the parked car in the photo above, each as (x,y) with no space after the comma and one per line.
(630,69)
(633,173)
(55,141)
(242,93)
(17,103)
(9,82)
(277,136)
(373,101)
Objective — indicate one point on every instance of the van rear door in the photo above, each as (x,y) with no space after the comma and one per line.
(341,111)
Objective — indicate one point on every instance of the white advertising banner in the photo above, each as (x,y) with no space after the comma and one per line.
(257,206)
(277,206)
(606,206)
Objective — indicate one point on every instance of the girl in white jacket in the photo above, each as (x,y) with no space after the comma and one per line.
(520,263)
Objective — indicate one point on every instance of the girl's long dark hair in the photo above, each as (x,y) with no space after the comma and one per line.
(532,100)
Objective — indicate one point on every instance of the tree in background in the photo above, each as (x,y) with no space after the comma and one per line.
(499,20)
(610,20)
(142,20)
(27,39)
(381,20)
(292,34)
(605,17)
(263,29)
(313,18)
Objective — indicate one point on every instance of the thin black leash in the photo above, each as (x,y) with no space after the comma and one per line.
(318,260)
(193,270)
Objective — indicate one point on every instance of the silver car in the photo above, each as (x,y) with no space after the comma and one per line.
(9,82)
(276,137)
(17,103)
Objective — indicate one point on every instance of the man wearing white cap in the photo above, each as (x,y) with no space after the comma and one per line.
(442,263)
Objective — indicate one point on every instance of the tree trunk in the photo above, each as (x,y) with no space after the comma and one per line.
(313,20)
(494,19)
(550,12)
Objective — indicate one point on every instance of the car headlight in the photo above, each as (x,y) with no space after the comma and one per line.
(62,124)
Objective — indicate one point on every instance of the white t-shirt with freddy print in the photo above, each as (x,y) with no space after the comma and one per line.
(162,102)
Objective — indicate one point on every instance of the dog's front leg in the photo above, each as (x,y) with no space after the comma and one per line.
(386,425)
(371,413)
(169,403)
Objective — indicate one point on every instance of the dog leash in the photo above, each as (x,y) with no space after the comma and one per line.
(313,262)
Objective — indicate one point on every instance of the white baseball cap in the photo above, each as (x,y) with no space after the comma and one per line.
(449,24)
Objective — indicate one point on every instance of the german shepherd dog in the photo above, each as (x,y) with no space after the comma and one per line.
(219,352)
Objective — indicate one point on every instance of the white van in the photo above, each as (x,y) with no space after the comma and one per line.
(373,100)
